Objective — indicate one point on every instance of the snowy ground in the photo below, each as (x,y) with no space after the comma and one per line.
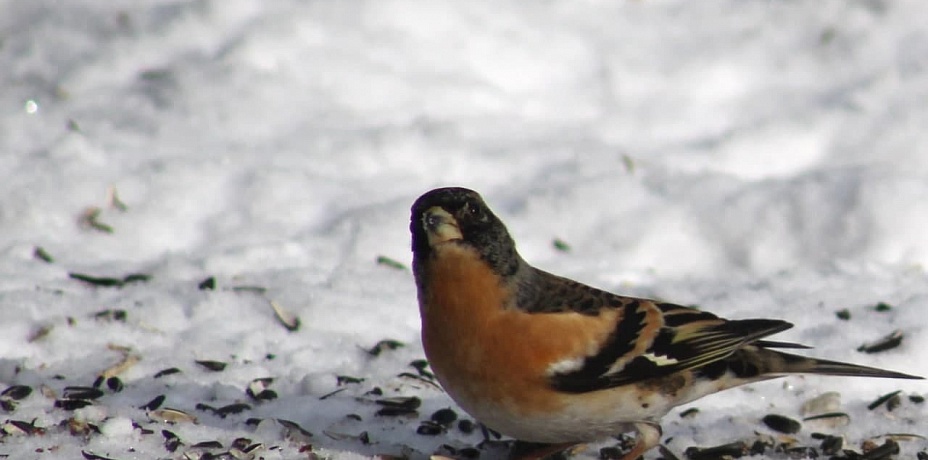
(755,158)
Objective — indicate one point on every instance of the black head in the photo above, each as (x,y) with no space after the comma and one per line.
(459,216)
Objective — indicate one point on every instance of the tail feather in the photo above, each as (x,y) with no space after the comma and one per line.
(795,364)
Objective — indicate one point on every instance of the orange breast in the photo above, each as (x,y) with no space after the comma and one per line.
(484,350)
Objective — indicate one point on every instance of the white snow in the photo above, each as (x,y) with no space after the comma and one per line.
(754,158)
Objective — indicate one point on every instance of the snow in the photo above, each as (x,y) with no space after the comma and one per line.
(754,158)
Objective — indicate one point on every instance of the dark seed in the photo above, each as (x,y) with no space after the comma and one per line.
(923,455)
(917,399)
(97,280)
(26,427)
(136,277)
(120,315)
(204,407)
(114,384)
(207,445)
(82,393)
(832,445)
(388,262)
(882,307)
(734,450)
(93,456)
(251,447)
(844,314)
(403,402)
(266,395)
(207,284)
(396,412)
(830,415)
(241,443)
(376,391)
(7,405)
(386,344)
(420,366)
(235,408)
(560,245)
(882,399)
(255,289)
(466,426)
(444,417)
(40,253)
(893,403)
(782,424)
(759,447)
(343,379)
(429,428)
(171,440)
(17,392)
(802,452)
(154,403)
(98,382)
(888,448)
(689,412)
(215,366)
(71,404)
(331,393)
(253,421)
(893,340)
(168,371)
(293,426)
(365,438)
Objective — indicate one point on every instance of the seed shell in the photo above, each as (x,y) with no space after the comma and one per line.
(782,424)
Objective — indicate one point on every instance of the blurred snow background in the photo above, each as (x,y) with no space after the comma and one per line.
(755,158)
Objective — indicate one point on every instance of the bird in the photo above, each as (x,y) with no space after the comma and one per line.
(554,363)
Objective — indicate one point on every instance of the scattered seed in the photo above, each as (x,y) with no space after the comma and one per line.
(843,314)
(207,284)
(444,417)
(466,426)
(917,399)
(734,450)
(240,443)
(40,332)
(153,404)
(331,393)
(98,382)
(82,393)
(207,445)
(396,412)
(93,456)
(388,262)
(386,344)
(883,399)
(71,404)
(294,428)
(80,427)
(882,307)
(114,384)
(90,218)
(826,402)
(169,415)
(7,405)
(893,403)
(560,245)
(255,289)
(888,448)
(893,340)
(287,319)
(168,371)
(344,379)
(40,253)
(253,421)
(429,428)
(831,445)
(136,278)
(689,412)
(830,419)
(171,440)
(266,395)
(667,453)
(215,366)
(21,427)
(782,424)
(904,436)
(128,360)
(16,392)
(923,455)
(404,402)
(258,385)
(376,391)
(235,408)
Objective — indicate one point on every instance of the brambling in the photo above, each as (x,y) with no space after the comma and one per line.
(545,359)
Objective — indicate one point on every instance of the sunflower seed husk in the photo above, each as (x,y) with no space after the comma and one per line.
(169,415)
(890,341)
(288,320)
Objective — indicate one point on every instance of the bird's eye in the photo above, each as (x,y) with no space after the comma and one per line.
(475,212)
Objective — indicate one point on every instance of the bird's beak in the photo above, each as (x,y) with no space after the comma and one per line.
(440,226)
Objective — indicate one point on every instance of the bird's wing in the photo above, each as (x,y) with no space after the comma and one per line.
(653,339)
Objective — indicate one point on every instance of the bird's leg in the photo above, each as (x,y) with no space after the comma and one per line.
(537,451)
(649,435)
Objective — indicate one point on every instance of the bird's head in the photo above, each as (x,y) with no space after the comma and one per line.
(459,216)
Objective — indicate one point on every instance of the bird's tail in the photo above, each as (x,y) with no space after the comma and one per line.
(779,362)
